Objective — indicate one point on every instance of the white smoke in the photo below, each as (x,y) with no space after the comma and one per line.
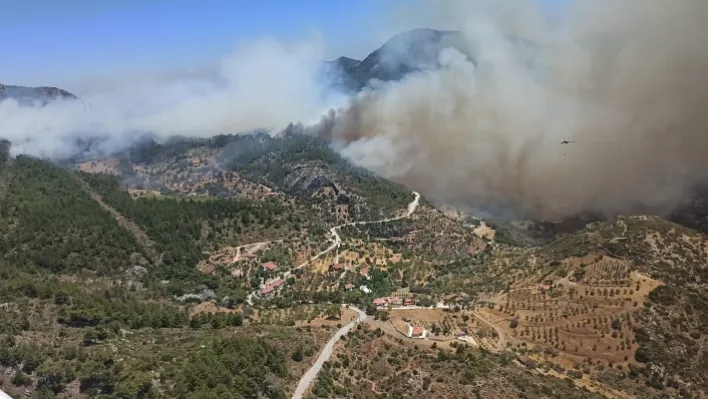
(264,84)
(624,79)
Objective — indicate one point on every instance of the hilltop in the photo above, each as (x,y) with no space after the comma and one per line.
(31,95)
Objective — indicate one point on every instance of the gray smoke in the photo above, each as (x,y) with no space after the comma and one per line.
(624,79)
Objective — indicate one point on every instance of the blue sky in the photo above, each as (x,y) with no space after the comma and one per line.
(47,42)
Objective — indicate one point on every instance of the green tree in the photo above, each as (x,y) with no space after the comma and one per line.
(333,311)
(297,354)
(21,379)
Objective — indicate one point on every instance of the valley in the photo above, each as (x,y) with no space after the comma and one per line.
(319,273)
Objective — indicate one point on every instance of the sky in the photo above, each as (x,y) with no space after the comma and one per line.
(62,42)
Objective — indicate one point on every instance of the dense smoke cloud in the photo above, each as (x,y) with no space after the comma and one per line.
(264,84)
(624,79)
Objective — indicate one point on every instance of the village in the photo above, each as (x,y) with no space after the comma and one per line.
(568,321)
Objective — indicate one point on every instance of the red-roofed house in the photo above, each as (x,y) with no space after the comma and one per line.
(381,301)
(395,300)
(349,287)
(270,266)
(409,301)
(338,266)
(416,332)
(271,287)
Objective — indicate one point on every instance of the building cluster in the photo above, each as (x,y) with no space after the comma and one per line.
(386,301)
(456,298)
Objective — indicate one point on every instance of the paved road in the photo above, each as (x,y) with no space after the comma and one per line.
(324,355)
(337,240)
(326,352)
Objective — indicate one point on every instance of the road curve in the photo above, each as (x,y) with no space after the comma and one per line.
(501,340)
(325,354)
(412,206)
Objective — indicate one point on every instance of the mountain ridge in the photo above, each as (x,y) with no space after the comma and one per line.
(410,51)
(406,52)
(30,95)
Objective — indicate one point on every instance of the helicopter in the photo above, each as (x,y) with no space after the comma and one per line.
(567,142)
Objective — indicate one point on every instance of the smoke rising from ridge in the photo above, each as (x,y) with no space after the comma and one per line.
(624,79)
(264,84)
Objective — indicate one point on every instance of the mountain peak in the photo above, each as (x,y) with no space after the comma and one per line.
(409,51)
(345,63)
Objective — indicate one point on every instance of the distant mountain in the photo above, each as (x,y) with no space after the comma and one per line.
(338,74)
(344,64)
(32,95)
(407,52)
(411,51)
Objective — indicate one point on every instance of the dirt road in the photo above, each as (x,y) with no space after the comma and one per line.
(337,240)
(501,340)
(325,354)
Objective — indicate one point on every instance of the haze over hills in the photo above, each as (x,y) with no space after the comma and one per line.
(413,51)
(31,95)
(408,56)
(407,52)
(482,127)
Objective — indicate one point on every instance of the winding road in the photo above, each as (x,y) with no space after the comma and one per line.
(325,354)
(337,240)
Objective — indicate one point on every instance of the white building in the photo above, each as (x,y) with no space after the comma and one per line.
(417,332)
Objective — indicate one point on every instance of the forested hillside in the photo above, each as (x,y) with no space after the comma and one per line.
(218,268)
(85,313)
(48,222)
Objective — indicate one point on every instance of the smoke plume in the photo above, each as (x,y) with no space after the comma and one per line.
(623,79)
(264,84)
